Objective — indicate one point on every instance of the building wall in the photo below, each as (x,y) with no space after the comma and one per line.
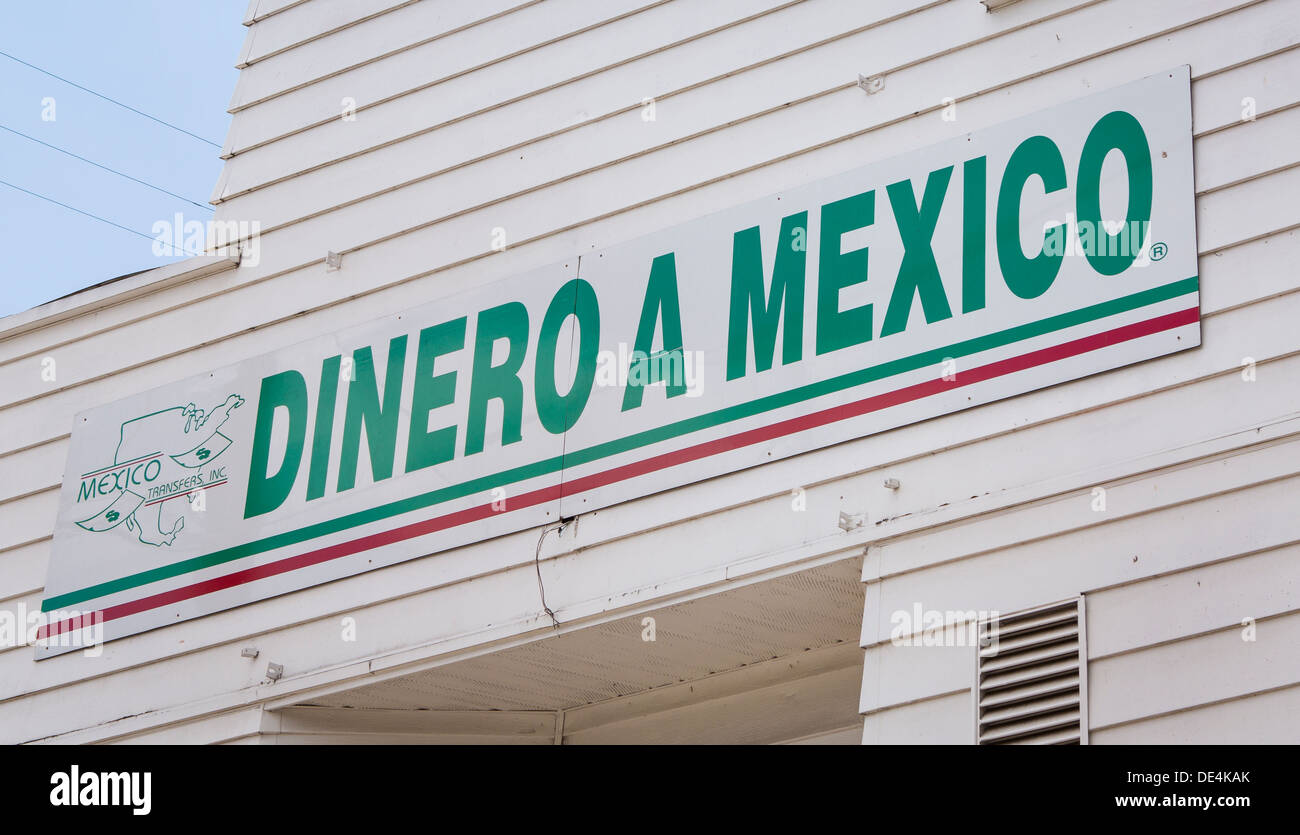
(532,118)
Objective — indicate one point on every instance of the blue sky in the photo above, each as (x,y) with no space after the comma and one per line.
(173,59)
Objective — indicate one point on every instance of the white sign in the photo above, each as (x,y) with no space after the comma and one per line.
(1038,251)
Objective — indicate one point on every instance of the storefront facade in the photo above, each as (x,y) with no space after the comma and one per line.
(972,494)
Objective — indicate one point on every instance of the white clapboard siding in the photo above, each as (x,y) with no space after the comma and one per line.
(667,66)
(1194,601)
(1266,718)
(34,469)
(331,54)
(631,152)
(836,68)
(1064,564)
(22,569)
(223,728)
(1197,601)
(29,519)
(752,97)
(105,306)
(262,9)
(536,117)
(798,82)
(1196,671)
(436,62)
(1263,474)
(306,23)
(942,720)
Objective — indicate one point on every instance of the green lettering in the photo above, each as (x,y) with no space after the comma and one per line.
(286,390)
(748,302)
(1028,278)
(323,433)
(974,174)
(660,306)
(1116,131)
(558,412)
(364,410)
(425,448)
(919,273)
(842,328)
(497,382)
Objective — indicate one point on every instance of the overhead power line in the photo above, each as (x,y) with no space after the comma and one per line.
(105,167)
(108,99)
(92,216)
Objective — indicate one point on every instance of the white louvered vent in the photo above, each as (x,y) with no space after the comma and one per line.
(1031,677)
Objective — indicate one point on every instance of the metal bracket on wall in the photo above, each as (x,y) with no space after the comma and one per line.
(871,84)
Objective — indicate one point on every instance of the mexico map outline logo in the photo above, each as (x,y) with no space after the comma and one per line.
(160,456)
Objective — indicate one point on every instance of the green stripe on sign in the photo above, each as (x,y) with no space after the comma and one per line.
(637,440)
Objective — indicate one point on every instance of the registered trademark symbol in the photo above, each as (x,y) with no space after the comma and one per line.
(1159,251)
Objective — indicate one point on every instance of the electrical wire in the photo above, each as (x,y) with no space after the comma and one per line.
(108,99)
(104,167)
(93,216)
(537,564)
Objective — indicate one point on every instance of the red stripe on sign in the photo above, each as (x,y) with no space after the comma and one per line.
(186,493)
(655,463)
